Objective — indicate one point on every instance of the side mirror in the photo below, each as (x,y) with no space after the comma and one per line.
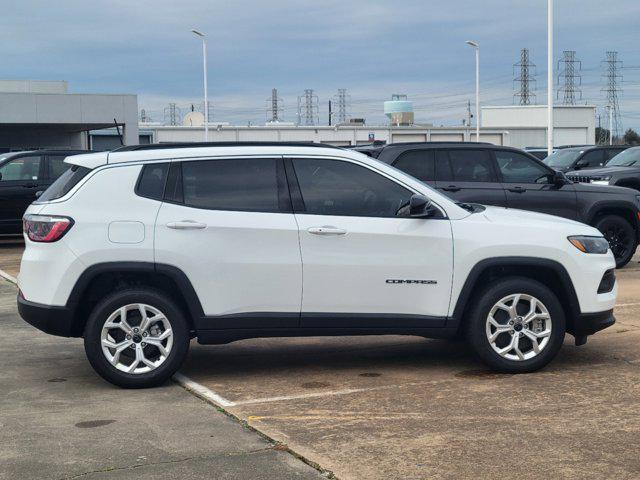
(420,206)
(0,176)
(559,179)
(581,164)
(38,193)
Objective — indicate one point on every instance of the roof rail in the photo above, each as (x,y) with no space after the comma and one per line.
(450,142)
(160,146)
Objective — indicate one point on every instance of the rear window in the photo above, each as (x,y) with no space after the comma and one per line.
(64,183)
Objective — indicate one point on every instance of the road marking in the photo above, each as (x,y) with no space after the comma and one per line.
(303,396)
(628,304)
(202,391)
(8,277)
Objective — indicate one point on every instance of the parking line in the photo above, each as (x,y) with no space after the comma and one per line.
(8,277)
(202,391)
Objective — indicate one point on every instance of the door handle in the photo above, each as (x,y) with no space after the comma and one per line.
(451,188)
(326,230)
(186,225)
(518,189)
(30,185)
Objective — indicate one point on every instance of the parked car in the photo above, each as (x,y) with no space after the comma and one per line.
(539,152)
(582,157)
(508,177)
(22,176)
(622,170)
(147,248)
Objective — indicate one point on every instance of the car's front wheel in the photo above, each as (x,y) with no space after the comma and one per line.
(517,325)
(621,237)
(136,338)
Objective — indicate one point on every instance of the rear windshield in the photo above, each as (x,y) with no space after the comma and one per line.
(64,183)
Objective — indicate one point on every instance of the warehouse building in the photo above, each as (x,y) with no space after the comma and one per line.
(42,114)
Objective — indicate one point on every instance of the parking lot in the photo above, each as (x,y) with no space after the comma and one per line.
(376,407)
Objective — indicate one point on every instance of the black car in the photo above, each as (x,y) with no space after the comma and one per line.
(582,157)
(22,176)
(508,177)
(622,170)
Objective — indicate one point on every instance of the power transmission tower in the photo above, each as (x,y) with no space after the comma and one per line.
(613,87)
(144,118)
(526,78)
(275,107)
(308,108)
(569,78)
(210,112)
(342,103)
(172,115)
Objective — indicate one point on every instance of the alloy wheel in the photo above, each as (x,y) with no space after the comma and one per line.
(136,338)
(518,327)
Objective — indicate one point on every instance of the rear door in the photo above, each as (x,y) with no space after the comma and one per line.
(228,225)
(21,178)
(592,159)
(469,175)
(529,186)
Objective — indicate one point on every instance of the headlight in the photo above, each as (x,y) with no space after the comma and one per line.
(589,244)
(601,180)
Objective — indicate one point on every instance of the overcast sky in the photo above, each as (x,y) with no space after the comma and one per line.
(372,48)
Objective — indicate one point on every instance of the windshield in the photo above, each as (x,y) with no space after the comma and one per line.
(562,158)
(627,158)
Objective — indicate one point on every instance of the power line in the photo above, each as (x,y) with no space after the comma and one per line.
(342,101)
(308,109)
(275,107)
(526,79)
(569,78)
(613,80)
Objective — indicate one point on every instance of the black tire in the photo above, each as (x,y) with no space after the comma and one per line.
(621,237)
(155,299)
(477,321)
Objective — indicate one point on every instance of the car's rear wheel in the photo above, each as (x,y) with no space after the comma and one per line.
(136,338)
(517,325)
(621,237)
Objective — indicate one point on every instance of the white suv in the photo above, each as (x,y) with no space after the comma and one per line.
(138,251)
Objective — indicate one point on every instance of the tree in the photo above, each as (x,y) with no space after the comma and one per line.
(602,136)
(631,137)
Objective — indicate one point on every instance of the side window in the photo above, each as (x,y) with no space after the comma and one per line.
(471,166)
(21,168)
(243,184)
(611,152)
(57,166)
(335,187)
(152,180)
(443,167)
(593,158)
(518,168)
(417,163)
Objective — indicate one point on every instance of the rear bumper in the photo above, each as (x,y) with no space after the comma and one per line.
(589,323)
(52,320)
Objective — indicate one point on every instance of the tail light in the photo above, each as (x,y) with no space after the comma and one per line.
(44,228)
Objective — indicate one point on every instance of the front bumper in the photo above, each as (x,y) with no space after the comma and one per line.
(52,320)
(589,323)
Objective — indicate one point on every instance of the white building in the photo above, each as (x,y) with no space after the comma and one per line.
(527,124)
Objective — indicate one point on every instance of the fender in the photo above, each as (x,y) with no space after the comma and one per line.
(174,273)
(478,269)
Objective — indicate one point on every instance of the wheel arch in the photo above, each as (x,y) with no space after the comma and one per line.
(106,277)
(546,271)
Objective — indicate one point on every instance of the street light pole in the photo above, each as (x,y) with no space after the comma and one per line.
(476,46)
(549,77)
(204,67)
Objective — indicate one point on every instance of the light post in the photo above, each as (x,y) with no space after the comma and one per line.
(549,77)
(476,46)
(204,67)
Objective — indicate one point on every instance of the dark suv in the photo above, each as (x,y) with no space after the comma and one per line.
(508,177)
(582,157)
(622,170)
(22,176)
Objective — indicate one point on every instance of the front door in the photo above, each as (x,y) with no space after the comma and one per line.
(529,186)
(20,180)
(227,224)
(365,263)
